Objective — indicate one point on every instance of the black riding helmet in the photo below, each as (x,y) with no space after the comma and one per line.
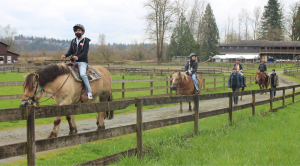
(78,26)
(192,54)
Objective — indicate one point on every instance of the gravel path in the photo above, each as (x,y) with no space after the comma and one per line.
(42,132)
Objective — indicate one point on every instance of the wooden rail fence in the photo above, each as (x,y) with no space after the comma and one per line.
(30,113)
(292,71)
(216,85)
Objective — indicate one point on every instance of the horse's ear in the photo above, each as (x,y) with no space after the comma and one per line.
(24,76)
(36,77)
(173,72)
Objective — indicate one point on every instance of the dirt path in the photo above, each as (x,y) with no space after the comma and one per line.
(19,135)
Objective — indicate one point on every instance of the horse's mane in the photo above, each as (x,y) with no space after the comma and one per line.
(46,75)
(183,75)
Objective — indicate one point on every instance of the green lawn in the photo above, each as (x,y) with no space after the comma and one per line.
(258,140)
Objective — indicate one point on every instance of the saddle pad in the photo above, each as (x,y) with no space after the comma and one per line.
(93,77)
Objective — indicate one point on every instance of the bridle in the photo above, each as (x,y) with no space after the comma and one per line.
(42,89)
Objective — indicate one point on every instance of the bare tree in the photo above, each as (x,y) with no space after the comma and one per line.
(44,51)
(104,49)
(240,21)
(291,20)
(159,19)
(255,20)
(7,34)
(194,16)
(246,20)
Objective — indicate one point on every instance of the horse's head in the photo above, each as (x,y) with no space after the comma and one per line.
(32,91)
(177,79)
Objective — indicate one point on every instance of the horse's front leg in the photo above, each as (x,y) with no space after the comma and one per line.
(180,108)
(100,120)
(72,124)
(190,107)
(55,129)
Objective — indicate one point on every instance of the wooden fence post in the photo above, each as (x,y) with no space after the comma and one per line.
(293,98)
(230,107)
(253,103)
(151,85)
(167,85)
(30,117)
(223,82)
(171,84)
(123,87)
(283,97)
(203,84)
(215,84)
(161,72)
(139,128)
(271,100)
(196,117)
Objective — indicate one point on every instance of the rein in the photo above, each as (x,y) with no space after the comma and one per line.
(42,89)
(187,84)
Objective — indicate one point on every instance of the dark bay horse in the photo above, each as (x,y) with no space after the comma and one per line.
(56,80)
(184,85)
(261,80)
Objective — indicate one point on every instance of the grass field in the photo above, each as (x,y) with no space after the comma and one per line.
(258,140)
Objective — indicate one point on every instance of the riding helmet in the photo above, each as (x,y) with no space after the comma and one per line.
(192,54)
(78,26)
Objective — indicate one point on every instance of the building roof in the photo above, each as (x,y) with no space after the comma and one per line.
(3,43)
(235,56)
(13,53)
(282,44)
(245,43)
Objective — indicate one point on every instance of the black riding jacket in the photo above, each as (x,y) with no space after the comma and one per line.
(81,51)
(195,66)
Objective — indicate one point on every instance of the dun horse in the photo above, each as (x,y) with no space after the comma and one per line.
(56,80)
(184,86)
(261,80)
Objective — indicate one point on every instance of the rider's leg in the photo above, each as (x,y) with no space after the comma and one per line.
(195,82)
(82,69)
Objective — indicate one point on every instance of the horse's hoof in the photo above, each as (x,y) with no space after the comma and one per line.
(72,132)
(52,135)
(190,110)
(110,118)
(101,128)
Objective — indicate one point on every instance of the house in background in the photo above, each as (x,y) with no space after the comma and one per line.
(7,57)
(267,50)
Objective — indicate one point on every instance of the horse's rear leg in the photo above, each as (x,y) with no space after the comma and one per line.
(190,107)
(72,124)
(55,129)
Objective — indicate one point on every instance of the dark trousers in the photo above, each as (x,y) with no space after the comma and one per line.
(235,99)
(272,86)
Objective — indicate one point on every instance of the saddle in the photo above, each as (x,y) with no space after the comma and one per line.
(90,74)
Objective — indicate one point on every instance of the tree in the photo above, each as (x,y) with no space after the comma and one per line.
(294,22)
(271,22)
(158,19)
(138,51)
(210,34)
(256,13)
(246,21)
(7,34)
(105,50)
(182,40)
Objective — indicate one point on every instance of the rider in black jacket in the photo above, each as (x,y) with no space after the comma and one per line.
(191,69)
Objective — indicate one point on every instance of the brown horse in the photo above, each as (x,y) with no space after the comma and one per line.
(261,80)
(184,85)
(56,80)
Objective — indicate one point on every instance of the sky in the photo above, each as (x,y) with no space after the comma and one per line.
(120,20)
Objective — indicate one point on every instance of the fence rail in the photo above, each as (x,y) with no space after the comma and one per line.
(292,71)
(30,113)
(168,80)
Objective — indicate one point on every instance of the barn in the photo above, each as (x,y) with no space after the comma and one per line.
(7,57)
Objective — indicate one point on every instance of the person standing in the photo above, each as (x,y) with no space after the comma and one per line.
(235,82)
(238,65)
(274,81)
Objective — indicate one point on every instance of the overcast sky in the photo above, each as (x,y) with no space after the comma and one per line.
(120,20)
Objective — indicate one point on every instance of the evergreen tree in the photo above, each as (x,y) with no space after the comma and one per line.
(182,41)
(271,22)
(209,37)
